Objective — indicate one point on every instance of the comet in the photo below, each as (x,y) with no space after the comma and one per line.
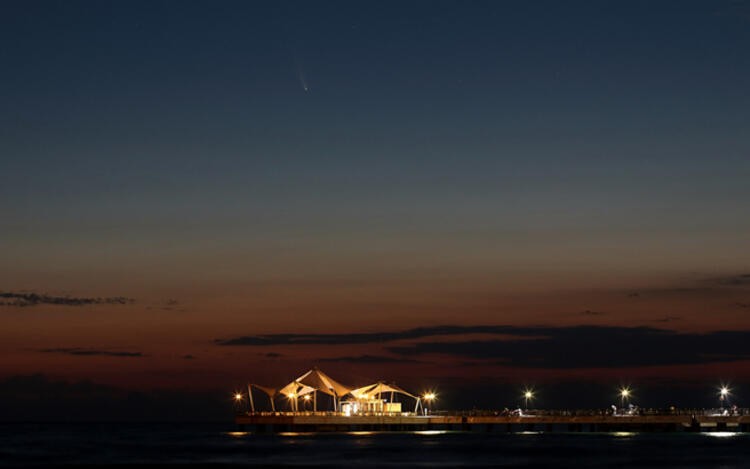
(303,82)
(301,76)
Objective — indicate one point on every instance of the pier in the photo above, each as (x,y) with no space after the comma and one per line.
(381,407)
(329,422)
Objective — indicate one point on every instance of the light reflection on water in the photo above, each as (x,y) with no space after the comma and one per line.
(212,444)
(721,434)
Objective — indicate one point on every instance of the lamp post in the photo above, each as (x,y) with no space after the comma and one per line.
(723,395)
(624,395)
(528,395)
(306,397)
(429,397)
(238,400)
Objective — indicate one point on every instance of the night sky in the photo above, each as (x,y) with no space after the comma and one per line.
(462,196)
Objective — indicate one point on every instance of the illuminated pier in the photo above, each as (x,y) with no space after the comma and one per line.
(386,407)
(289,422)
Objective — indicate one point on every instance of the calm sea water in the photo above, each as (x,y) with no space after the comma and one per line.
(58,444)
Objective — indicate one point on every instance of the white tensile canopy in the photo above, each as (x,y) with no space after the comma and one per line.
(322,382)
(270,392)
(295,389)
(311,382)
(308,385)
(375,391)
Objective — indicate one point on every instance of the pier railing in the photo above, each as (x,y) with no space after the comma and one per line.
(692,412)
(703,412)
(560,420)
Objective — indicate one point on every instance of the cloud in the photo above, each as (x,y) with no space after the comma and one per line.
(593,347)
(21,300)
(170,304)
(668,319)
(705,288)
(741,280)
(539,346)
(92,352)
(364,338)
(670,292)
(368,359)
(589,312)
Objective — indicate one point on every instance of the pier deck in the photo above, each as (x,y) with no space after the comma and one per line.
(274,423)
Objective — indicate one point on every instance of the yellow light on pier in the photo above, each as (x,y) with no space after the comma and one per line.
(528,395)
(625,394)
(724,393)
(428,397)
(237,396)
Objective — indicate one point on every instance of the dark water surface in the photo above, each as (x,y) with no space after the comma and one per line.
(209,444)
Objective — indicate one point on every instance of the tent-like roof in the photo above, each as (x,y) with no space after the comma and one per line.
(373,390)
(315,380)
(295,389)
(320,381)
(361,393)
(270,391)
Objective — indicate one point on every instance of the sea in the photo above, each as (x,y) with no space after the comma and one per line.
(200,445)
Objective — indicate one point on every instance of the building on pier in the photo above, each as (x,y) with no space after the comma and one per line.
(378,398)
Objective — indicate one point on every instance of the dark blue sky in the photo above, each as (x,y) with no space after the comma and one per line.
(368,165)
(134,103)
(428,99)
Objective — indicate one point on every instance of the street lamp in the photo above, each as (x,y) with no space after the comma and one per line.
(429,397)
(238,400)
(306,397)
(624,395)
(528,395)
(724,393)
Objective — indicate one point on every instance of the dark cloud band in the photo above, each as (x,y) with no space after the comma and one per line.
(541,346)
(366,338)
(595,347)
(92,352)
(32,299)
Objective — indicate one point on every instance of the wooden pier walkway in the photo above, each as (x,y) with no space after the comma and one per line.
(275,423)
